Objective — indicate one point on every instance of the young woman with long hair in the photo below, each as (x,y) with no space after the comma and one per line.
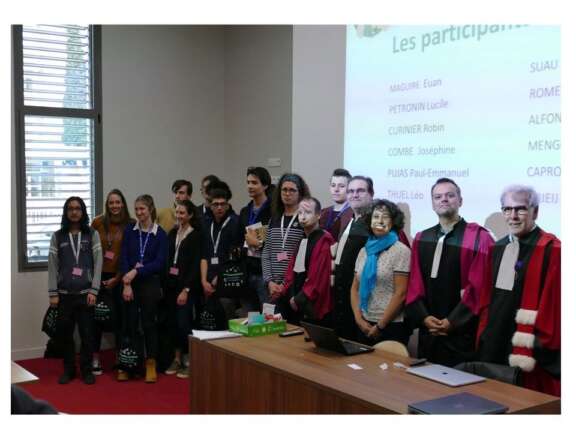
(110,226)
(143,261)
(183,282)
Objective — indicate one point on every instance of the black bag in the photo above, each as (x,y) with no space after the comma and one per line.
(213,316)
(131,349)
(232,280)
(49,322)
(104,311)
(499,372)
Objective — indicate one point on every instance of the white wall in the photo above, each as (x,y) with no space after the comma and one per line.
(178,102)
(163,107)
(319,69)
(258,80)
(163,118)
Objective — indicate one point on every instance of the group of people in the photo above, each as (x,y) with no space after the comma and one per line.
(348,266)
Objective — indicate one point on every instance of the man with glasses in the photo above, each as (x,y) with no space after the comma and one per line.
(360,192)
(520,312)
(447,274)
(220,237)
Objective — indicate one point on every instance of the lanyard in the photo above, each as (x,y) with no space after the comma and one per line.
(143,248)
(75,249)
(285,236)
(253,214)
(109,240)
(179,241)
(218,237)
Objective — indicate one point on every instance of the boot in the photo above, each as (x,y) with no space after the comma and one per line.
(150,371)
(122,375)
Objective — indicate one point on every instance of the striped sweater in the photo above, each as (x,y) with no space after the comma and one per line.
(272,269)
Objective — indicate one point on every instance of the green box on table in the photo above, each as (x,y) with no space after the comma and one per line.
(263,329)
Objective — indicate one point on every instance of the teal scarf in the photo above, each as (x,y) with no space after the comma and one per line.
(374,246)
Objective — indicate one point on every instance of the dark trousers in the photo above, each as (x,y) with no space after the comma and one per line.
(396,331)
(73,310)
(115,295)
(145,307)
(180,320)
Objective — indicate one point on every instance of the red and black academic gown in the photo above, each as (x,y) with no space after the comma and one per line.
(311,288)
(521,327)
(335,222)
(455,292)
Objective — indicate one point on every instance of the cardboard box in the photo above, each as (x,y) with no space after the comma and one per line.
(236,326)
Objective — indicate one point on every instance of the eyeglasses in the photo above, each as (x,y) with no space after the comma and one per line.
(520,210)
(356,191)
(218,204)
(289,190)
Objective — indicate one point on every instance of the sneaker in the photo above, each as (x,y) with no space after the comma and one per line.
(96,367)
(185,360)
(88,378)
(174,368)
(66,377)
(183,373)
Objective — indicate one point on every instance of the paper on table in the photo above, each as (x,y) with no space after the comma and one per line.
(209,335)
(354,366)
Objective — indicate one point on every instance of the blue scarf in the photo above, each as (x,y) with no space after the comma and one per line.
(374,246)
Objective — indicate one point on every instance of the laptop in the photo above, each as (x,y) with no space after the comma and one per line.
(459,403)
(445,375)
(326,338)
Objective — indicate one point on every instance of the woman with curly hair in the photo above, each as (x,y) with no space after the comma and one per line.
(381,277)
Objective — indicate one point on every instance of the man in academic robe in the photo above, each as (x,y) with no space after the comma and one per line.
(335,218)
(447,275)
(354,236)
(308,274)
(520,313)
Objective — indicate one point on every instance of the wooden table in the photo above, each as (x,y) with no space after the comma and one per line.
(272,375)
(21,375)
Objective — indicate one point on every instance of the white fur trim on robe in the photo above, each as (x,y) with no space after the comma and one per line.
(524,340)
(525,316)
(525,363)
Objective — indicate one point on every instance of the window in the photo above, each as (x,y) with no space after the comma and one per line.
(58,130)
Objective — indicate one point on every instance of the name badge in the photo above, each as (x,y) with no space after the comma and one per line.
(109,255)
(138,265)
(214,260)
(76,271)
(282,256)
(174,271)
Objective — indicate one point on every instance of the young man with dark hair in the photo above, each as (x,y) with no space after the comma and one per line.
(205,185)
(220,237)
(307,281)
(336,217)
(252,226)
(74,270)
(182,190)
(448,271)
(520,311)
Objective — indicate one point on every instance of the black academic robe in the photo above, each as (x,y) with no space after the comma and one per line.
(443,300)
(344,322)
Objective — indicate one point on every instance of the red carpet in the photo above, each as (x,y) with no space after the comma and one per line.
(170,395)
